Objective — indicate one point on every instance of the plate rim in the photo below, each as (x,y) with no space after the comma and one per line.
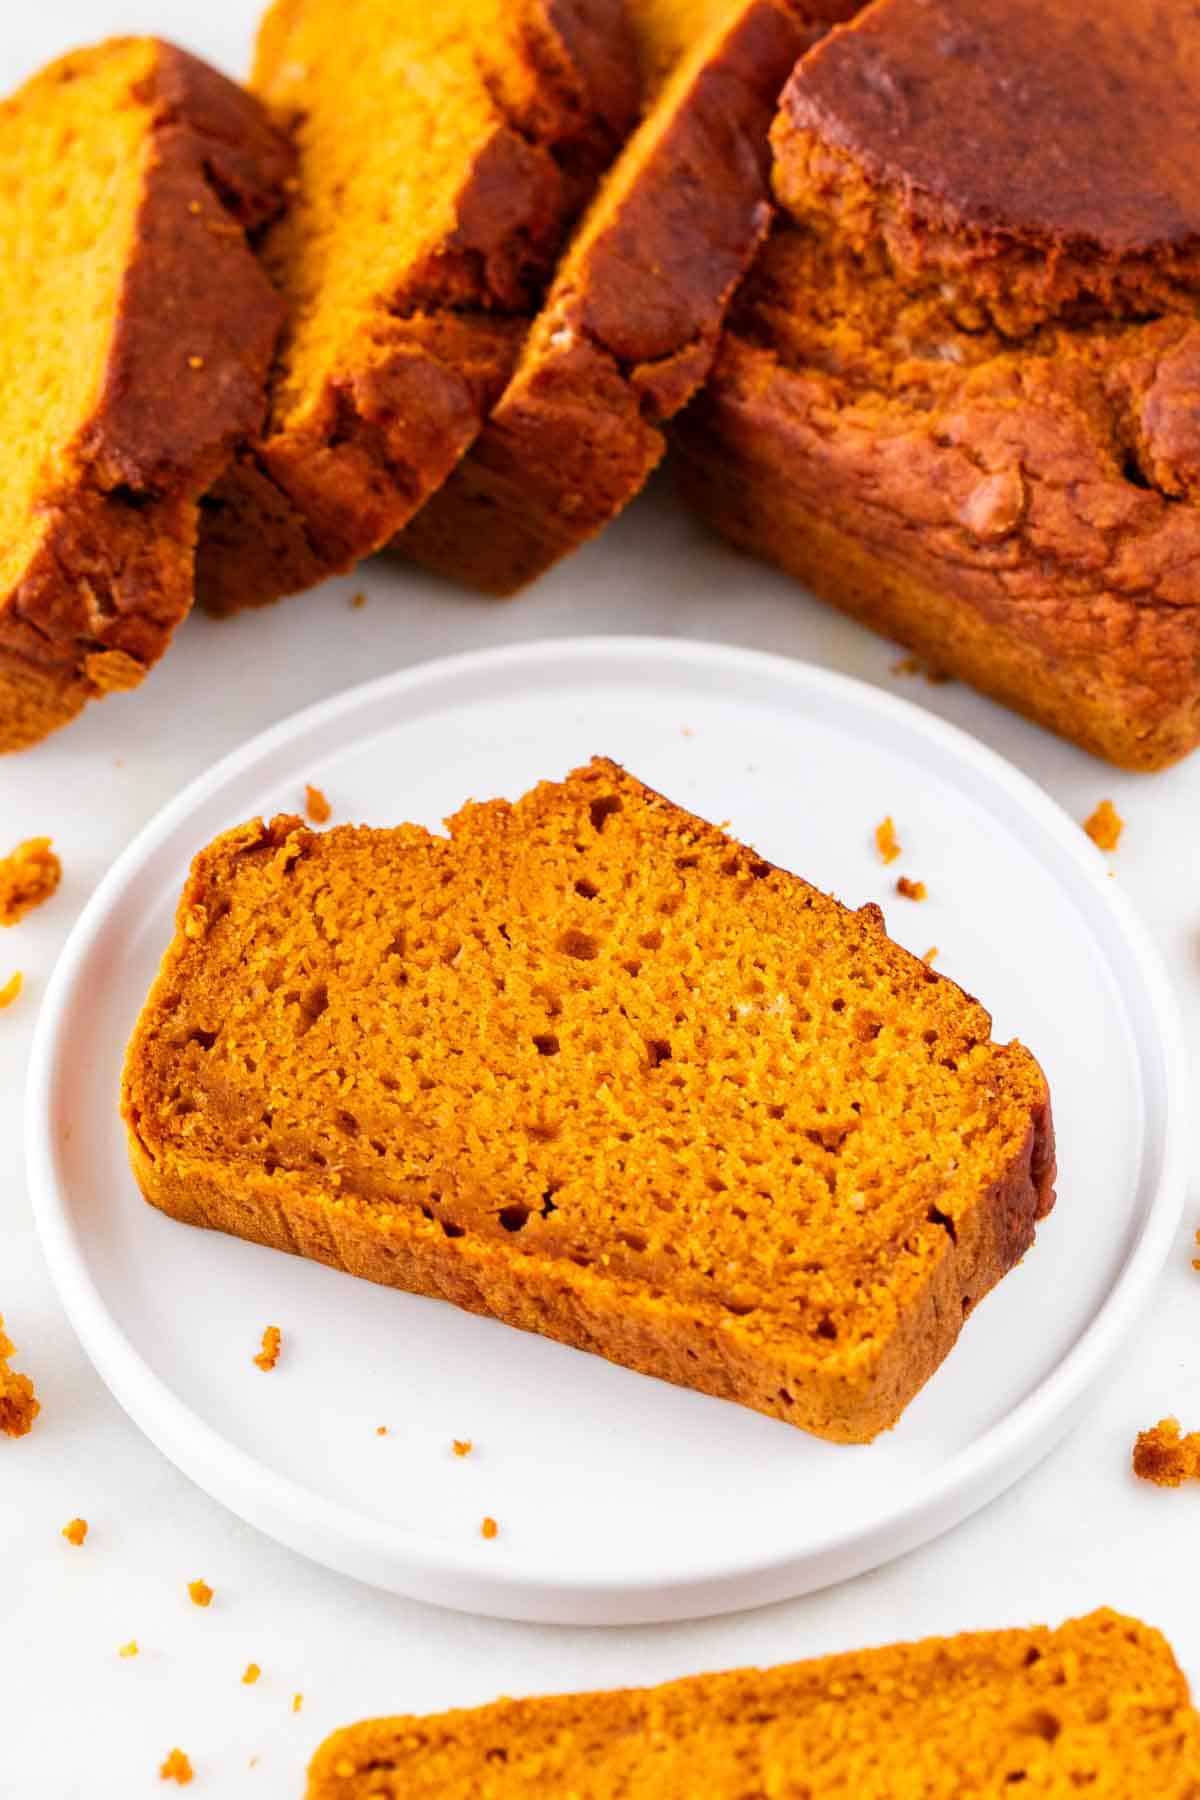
(468,1577)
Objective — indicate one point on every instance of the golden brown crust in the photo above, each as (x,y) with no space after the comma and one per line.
(630,325)
(449,1239)
(313,496)
(186,378)
(1098,1704)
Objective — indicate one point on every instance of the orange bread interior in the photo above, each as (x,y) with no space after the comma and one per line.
(592,1066)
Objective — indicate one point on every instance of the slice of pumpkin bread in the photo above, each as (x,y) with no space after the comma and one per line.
(590,1066)
(136,331)
(443,151)
(1100,1705)
(630,325)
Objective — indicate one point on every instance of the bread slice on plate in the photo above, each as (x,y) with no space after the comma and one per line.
(1100,1705)
(136,331)
(444,148)
(630,325)
(958,395)
(589,1065)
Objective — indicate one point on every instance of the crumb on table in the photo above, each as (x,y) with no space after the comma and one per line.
(175,1768)
(28,876)
(201,1593)
(19,1405)
(886,841)
(358,601)
(316,805)
(913,665)
(462,1446)
(1165,1456)
(489,1529)
(911,890)
(1105,826)
(931,955)
(250,1674)
(129,1649)
(76,1531)
(268,1356)
(12,989)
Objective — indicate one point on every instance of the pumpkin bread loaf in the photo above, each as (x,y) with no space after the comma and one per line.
(136,331)
(630,325)
(958,397)
(592,1067)
(1099,1705)
(443,151)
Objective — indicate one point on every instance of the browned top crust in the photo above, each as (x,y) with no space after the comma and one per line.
(1053,119)
(108,575)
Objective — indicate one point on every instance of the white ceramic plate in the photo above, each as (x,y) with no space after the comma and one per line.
(620,1499)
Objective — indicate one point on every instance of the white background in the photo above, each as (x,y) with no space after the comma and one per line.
(76,1720)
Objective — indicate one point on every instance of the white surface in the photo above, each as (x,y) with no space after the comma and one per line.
(744,1509)
(76,1722)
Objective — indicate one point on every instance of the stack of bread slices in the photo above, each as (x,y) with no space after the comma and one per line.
(919,278)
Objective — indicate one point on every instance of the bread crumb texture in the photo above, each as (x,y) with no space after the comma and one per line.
(19,1405)
(76,1531)
(911,890)
(1165,1456)
(590,1066)
(175,1767)
(316,806)
(1105,826)
(886,841)
(28,877)
(268,1356)
(200,1592)
(11,990)
(1098,1705)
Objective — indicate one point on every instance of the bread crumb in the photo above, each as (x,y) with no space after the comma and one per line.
(200,1592)
(129,1649)
(912,665)
(76,1531)
(381,1431)
(886,841)
(1165,1456)
(268,1356)
(297,1702)
(19,1405)
(28,876)
(175,1768)
(687,731)
(462,1446)
(490,1529)
(316,805)
(250,1674)
(11,989)
(195,362)
(911,890)
(1105,826)
(358,601)
(931,955)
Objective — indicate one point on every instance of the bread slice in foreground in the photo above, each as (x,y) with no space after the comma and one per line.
(444,148)
(958,395)
(592,1067)
(630,325)
(1098,1706)
(136,331)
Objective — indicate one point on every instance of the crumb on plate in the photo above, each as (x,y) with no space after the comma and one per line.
(19,1405)
(316,805)
(175,1768)
(911,890)
(886,841)
(489,1529)
(1105,826)
(462,1446)
(381,1431)
(200,1592)
(12,989)
(28,876)
(1165,1456)
(297,1702)
(250,1674)
(75,1532)
(129,1649)
(268,1356)
(358,601)
(931,955)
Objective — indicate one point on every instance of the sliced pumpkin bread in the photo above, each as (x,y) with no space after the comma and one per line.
(136,331)
(589,1065)
(630,325)
(443,151)
(1098,1706)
